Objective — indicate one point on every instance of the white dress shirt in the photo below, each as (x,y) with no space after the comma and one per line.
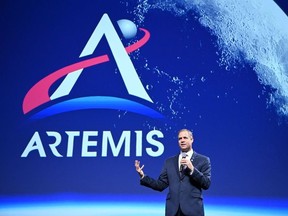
(189,155)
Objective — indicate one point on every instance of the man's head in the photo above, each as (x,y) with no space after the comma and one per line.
(185,140)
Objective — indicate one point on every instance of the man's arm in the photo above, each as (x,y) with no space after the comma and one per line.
(203,176)
(160,184)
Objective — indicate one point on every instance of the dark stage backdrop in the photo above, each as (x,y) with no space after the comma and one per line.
(87,87)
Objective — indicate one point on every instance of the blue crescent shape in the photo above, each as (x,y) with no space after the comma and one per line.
(97,102)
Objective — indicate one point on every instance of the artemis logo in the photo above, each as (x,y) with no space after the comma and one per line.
(38,94)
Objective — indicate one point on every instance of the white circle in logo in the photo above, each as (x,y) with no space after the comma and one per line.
(128,28)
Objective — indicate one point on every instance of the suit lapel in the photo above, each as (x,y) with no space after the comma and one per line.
(194,155)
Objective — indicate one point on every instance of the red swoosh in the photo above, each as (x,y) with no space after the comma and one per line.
(38,94)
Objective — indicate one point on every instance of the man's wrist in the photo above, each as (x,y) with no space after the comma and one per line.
(141,174)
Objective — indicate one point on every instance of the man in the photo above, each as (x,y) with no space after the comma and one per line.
(186,174)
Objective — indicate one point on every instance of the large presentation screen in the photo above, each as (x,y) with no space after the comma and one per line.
(88,87)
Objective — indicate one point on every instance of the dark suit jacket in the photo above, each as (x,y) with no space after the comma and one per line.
(185,192)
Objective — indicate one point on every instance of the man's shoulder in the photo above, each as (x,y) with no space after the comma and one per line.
(172,158)
(200,156)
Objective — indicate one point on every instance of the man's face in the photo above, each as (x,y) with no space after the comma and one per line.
(185,141)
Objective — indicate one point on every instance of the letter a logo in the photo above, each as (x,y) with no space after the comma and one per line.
(38,94)
(125,66)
